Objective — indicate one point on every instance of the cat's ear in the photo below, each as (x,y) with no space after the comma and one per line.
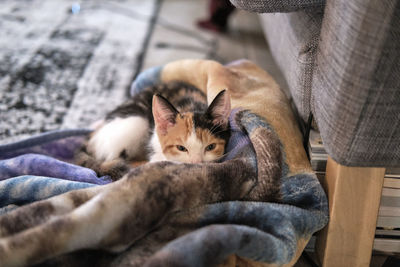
(220,108)
(164,113)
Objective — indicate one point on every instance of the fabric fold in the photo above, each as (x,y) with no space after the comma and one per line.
(260,205)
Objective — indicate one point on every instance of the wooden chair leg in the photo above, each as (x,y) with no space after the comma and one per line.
(354,196)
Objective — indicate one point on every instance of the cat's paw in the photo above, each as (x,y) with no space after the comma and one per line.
(114,168)
(120,138)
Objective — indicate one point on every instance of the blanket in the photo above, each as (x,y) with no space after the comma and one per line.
(259,207)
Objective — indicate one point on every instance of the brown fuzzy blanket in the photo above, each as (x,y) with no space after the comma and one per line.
(259,207)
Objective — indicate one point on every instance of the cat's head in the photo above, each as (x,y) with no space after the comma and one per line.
(193,137)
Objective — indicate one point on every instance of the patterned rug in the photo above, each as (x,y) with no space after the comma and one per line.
(65,64)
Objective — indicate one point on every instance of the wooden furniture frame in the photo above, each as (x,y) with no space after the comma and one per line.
(354,196)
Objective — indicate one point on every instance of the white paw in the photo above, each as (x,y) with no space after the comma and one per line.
(129,134)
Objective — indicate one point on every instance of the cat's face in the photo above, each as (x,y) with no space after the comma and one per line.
(184,142)
(192,137)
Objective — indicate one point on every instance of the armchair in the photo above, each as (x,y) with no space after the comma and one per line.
(341,60)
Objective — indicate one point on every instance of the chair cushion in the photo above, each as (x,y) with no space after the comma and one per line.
(293,40)
(271,6)
(356,84)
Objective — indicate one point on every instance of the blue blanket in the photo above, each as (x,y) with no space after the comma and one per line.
(271,230)
(38,168)
(253,207)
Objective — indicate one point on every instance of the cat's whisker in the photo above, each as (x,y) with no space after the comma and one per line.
(220,157)
(131,133)
(213,129)
(223,155)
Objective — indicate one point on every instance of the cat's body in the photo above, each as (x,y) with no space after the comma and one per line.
(166,122)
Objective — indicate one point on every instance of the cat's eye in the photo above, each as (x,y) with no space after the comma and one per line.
(181,148)
(211,147)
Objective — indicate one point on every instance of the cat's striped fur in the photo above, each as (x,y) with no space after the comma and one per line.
(170,121)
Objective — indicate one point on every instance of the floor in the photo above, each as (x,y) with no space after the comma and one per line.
(62,60)
(59,62)
(178,37)
(174,37)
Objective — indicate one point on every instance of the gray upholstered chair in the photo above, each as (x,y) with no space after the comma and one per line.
(341,60)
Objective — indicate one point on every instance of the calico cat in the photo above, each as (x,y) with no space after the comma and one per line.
(170,121)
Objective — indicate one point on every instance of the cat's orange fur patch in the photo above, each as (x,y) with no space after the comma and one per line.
(207,138)
(177,134)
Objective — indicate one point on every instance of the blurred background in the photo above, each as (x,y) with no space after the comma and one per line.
(64,64)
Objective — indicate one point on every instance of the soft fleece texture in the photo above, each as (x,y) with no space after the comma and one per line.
(257,208)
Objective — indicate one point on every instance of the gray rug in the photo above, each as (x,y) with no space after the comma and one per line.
(64,65)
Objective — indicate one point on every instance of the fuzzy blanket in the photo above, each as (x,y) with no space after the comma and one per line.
(257,208)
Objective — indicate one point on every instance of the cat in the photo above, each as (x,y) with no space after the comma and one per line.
(170,121)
